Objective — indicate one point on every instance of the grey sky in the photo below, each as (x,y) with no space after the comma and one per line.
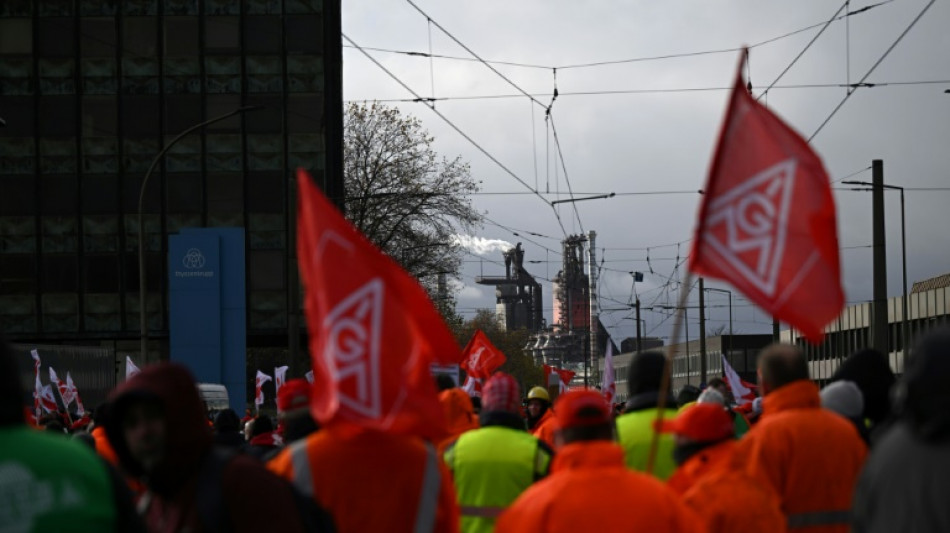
(663,141)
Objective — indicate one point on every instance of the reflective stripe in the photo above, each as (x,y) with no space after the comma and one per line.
(429,495)
(482,512)
(300,461)
(819,518)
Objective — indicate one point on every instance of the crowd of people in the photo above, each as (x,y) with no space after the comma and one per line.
(868,453)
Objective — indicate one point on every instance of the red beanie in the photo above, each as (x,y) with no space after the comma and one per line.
(295,394)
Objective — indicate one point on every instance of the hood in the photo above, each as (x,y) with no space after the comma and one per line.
(801,394)
(458,409)
(922,397)
(188,436)
(870,371)
(645,373)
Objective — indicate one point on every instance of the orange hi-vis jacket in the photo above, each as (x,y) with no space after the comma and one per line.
(591,489)
(545,427)
(705,461)
(811,457)
(372,481)
(459,412)
(714,484)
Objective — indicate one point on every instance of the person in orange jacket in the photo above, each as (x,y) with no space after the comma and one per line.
(590,487)
(372,481)
(711,481)
(810,456)
(457,406)
(541,419)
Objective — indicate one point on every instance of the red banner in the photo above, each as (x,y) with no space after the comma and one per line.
(480,358)
(767,220)
(373,330)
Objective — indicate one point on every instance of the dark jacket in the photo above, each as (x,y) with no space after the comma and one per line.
(905,483)
(172,500)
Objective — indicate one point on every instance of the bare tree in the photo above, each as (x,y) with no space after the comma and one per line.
(403,196)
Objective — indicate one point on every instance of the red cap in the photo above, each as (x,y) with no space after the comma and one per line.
(703,422)
(294,394)
(582,408)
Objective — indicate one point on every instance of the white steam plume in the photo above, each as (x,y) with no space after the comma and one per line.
(481,245)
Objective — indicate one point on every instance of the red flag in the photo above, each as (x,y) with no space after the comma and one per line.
(767,220)
(373,330)
(480,357)
(565,375)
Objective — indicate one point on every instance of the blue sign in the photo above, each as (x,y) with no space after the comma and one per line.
(207,307)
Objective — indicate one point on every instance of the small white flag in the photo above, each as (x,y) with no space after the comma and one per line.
(261,379)
(37,385)
(739,391)
(280,377)
(64,392)
(472,386)
(130,368)
(609,387)
(74,393)
(309,376)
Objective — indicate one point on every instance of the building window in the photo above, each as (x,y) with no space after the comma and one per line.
(100,233)
(16,36)
(94,8)
(267,270)
(100,194)
(304,34)
(16,76)
(181,7)
(16,8)
(97,37)
(262,35)
(101,273)
(265,192)
(262,7)
(222,35)
(225,193)
(17,194)
(181,112)
(17,274)
(140,37)
(99,116)
(181,36)
(304,113)
(182,75)
(141,116)
(303,6)
(60,273)
(98,76)
(304,74)
(184,194)
(222,104)
(222,7)
(57,37)
(223,74)
(140,7)
(224,153)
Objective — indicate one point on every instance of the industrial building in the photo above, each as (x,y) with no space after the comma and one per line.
(91,91)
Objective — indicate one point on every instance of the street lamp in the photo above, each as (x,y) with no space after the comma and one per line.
(727,291)
(904,326)
(143,318)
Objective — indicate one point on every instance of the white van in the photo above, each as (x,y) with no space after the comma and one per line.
(215,397)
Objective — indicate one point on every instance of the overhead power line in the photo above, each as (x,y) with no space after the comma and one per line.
(456,128)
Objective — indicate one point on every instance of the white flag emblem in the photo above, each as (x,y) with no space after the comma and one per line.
(747,225)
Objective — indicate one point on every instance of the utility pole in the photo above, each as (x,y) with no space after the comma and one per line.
(594,311)
(702,332)
(639,338)
(879,309)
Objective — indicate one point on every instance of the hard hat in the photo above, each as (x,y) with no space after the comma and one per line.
(539,393)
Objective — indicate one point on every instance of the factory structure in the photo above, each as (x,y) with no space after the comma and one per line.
(567,342)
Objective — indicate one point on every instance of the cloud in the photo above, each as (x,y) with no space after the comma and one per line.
(481,245)
(468,292)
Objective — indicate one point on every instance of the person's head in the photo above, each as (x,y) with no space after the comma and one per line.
(261,425)
(719,385)
(11,390)
(779,365)
(688,394)
(844,398)
(157,426)
(538,402)
(700,426)
(444,382)
(226,421)
(711,395)
(871,372)
(582,415)
(922,397)
(645,372)
(144,430)
(501,394)
(477,404)
(294,397)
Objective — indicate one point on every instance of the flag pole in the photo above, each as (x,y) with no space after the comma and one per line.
(667,364)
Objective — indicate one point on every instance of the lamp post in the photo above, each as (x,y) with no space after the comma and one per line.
(905,331)
(727,291)
(143,308)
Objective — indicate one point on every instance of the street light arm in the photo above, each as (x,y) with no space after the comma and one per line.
(143,308)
